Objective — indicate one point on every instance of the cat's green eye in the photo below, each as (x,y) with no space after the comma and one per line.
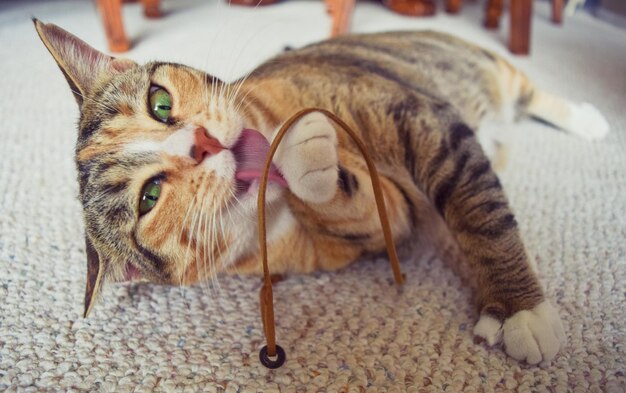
(149,195)
(160,103)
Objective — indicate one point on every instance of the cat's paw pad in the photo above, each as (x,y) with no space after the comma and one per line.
(307,158)
(534,336)
(588,122)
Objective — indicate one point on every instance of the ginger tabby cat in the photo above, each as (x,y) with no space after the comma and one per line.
(169,159)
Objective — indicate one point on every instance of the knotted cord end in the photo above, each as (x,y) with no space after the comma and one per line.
(269,363)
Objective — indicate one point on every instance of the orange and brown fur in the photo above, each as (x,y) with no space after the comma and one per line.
(414,98)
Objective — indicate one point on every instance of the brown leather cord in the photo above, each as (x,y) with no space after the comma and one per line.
(266,295)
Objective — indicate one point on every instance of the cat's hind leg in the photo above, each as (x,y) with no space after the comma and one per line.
(520,97)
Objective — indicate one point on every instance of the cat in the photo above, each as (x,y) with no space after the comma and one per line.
(169,159)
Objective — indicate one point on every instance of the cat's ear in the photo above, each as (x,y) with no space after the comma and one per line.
(95,271)
(81,64)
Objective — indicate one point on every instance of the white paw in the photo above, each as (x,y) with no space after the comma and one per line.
(489,329)
(307,158)
(534,336)
(587,122)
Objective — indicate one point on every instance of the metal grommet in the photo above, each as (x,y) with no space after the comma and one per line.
(269,363)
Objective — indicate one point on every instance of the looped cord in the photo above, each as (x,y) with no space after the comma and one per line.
(266,295)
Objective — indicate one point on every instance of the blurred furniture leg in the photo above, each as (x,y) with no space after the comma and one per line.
(521,14)
(519,35)
(453,6)
(151,8)
(493,13)
(557,11)
(111,13)
(412,7)
(340,12)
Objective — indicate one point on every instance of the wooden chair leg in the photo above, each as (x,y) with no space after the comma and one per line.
(341,14)
(453,6)
(519,36)
(330,6)
(151,8)
(493,12)
(557,11)
(111,13)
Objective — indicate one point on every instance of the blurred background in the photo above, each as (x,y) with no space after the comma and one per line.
(237,37)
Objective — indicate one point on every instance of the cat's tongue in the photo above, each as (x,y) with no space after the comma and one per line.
(251,151)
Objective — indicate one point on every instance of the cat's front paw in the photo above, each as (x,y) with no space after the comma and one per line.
(534,336)
(307,158)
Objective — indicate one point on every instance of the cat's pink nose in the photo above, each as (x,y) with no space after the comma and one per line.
(204,145)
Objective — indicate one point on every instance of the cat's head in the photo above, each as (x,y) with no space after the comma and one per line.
(166,167)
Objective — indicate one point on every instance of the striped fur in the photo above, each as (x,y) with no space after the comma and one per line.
(416,100)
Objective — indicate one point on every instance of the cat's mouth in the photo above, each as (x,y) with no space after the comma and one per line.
(250,153)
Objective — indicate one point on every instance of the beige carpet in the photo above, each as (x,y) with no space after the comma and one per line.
(569,196)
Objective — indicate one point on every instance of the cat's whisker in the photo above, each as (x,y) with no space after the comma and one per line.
(192,239)
(205,89)
(240,214)
(195,230)
(201,244)
(220,237)
(218,220)
(213,240)
(225,91)
(228,93)
(244,109)
(217,94)
(215,99)
(238,83)
(190,232)
(222,91)
(214,88)
(237,88)
(180,236)
(99,103)
(245,96)
(222,231)
(209,91)
(230,221)
(243,99)
(209,245)
(243,80)
(212,47)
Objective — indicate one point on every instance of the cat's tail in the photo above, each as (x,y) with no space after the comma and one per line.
(521,97)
